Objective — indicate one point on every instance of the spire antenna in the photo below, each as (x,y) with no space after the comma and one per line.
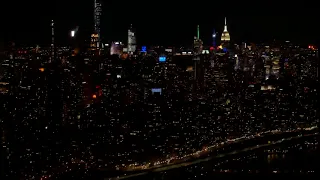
(225,24)
(225,36)
(198,32)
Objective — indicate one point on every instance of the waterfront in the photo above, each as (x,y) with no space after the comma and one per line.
(297,157)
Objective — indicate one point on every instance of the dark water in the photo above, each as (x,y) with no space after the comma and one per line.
(299,157)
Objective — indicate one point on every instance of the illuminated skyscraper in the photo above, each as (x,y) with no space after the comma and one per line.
(52,41)
(116,48)
(94,44)
(54,86)
(198,32)
(214,35)
(318,63)
(96,36)
(225,36)
(131,40)
(197,43)
(198,60)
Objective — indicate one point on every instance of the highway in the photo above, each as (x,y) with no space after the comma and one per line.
(227,154)
(165,167)
(200,153)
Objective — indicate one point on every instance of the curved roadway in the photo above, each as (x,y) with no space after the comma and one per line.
(182,164)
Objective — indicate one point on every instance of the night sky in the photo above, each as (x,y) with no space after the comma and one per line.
(166,23)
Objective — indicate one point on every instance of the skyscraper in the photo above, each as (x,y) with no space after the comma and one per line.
(54,92)
(225,36)
(96,36)
(52,41)
(214,35)
(131,40)
(197,43)
(198,60)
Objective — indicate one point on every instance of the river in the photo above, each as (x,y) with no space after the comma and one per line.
(299,157)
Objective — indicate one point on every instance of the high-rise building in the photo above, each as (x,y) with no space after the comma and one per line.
(225,36)
(198,60)
(116,48)
(52,41)
(94,41)
(96,36)
(214,35)
(131,40)
(197,43)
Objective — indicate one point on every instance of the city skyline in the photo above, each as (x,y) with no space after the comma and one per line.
(169,27)
(163,100)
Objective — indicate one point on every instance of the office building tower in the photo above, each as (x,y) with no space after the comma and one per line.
(131,40)
(96,36)
(214,35)
(116,48)
(197,43)
(198,61)
(225,36)
(52,41)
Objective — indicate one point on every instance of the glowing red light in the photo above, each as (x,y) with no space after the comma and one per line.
(312,47)
(211,48)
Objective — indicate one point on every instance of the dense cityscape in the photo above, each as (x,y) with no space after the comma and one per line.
(123,107)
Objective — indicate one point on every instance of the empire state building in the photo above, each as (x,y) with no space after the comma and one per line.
(225,36)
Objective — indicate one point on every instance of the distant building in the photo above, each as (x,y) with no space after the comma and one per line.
(225,36)
(131,41)
(197,43)
(214,35)
(94,44)
(97,19)
(116,48)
